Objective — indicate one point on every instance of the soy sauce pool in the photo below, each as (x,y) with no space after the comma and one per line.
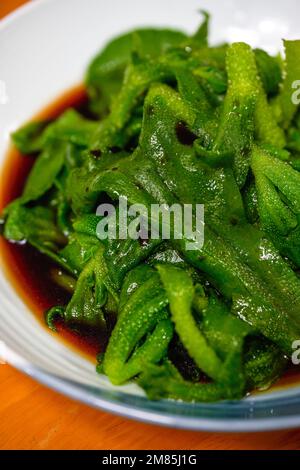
(30,272)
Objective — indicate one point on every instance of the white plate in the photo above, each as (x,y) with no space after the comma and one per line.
(44,50)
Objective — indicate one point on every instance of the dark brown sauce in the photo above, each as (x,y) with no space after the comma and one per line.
(184,135)
(291,378)
(29,271)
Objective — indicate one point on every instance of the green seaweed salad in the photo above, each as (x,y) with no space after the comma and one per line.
(173,120)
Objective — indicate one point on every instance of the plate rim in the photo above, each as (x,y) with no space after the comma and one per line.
(79,392)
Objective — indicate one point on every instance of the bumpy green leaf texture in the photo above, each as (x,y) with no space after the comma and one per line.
(176,121)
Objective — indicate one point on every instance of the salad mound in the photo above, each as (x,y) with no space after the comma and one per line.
(175,121)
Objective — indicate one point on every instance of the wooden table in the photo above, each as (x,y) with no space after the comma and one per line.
(33,417)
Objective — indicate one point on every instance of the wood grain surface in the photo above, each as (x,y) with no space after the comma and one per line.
(7,6)
(34,417)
